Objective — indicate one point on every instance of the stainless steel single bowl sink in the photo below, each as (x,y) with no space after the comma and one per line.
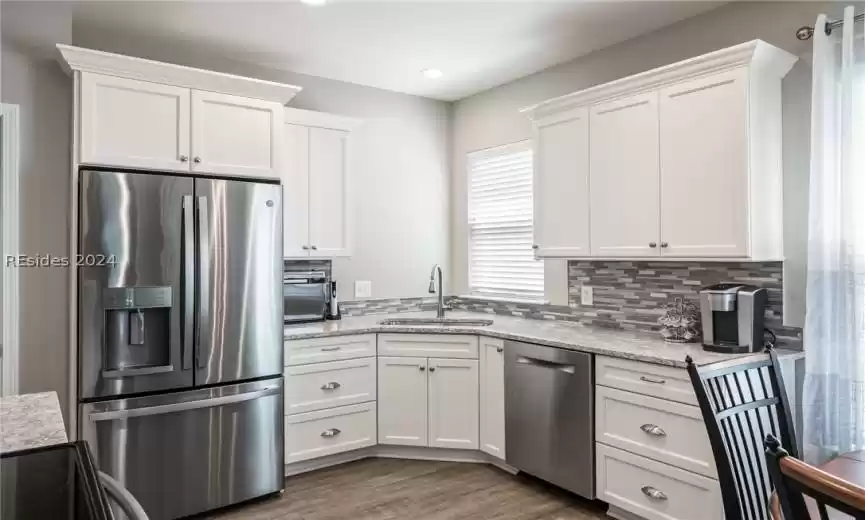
(468,322)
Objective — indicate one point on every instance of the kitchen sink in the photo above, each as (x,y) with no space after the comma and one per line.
(468,322)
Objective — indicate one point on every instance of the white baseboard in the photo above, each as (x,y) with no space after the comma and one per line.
(621,514)
(398,452)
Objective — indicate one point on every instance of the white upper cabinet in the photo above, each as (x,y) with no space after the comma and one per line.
(328,192)
(146,114)
(234,135)
(126,122)
(561,184)
(624,177)
(704,150)
(681,162)
(317,180)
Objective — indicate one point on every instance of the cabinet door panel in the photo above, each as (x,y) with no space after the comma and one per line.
(233,135)
(492,397)
(453,403)
(328,193)
(295,198)
(624,177)
(704,168)
(402,401)
(125,122)
(561,185)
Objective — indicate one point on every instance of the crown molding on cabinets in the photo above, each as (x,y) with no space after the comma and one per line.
(89,60)
(756,54)
(297,116)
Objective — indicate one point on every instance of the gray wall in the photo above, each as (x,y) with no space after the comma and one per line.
(401,148)
(491,118)
(33,80)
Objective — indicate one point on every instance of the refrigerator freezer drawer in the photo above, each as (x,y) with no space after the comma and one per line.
(188,452)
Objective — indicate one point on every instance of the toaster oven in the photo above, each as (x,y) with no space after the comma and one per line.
(305,295)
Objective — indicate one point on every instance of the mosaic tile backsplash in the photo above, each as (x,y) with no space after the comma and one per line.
(632,295)
(627,295)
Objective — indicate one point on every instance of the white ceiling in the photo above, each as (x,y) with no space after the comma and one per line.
(385,44)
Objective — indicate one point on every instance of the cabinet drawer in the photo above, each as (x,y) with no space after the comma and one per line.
(316,350)
(653,490)
(662,430)
(325,385)
(645,378)
(326,432)
(429,345)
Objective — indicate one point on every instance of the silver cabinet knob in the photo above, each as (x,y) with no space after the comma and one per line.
(653,493)
(333,385)
(314,248)
(653,244)
(499,349)
(432,369)
(305,248)
(664,244)
(196,159)
(184,158)
(421,368)
(331,432)
(653,429)
(535,246)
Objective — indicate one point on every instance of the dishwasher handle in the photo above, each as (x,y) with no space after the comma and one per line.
(543,363)
(122,497)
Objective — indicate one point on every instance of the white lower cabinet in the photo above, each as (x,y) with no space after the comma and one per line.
(328,432)
(326,385)
(453,403)
(492,397)
(429,402)
(402,390)
(654,490)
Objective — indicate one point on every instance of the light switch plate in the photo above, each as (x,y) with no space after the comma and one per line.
(362,289)
(586,295)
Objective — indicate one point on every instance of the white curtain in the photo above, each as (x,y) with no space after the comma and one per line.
(834,394)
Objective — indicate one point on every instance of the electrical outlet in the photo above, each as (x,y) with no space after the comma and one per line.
(362,289)
(586,295)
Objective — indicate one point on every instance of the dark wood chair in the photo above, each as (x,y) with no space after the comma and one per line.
(795,480)
(743,400)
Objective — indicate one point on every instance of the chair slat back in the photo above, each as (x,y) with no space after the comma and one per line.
(742,401)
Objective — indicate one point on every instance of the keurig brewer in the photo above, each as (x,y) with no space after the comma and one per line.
(732,315)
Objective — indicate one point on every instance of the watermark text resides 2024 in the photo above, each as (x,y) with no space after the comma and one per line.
(59,261)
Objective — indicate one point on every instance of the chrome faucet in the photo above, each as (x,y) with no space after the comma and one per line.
(440,310)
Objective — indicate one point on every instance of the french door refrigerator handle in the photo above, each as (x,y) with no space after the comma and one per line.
(115,415)
(203,277)
(188,282)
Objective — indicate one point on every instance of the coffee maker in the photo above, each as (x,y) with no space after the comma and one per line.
(732,315)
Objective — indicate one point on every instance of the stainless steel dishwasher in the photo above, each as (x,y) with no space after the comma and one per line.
(550,415)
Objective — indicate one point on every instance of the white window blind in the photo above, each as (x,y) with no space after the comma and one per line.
(501,260)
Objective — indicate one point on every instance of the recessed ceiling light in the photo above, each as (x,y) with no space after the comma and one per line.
(314,2)
(431,73)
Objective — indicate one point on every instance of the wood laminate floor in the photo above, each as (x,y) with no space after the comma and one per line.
(415,490)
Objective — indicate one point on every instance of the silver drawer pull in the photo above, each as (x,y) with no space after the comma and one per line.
(653,429)
(651,380)
(331,432)
(333,385)
(653,493)
(330,349)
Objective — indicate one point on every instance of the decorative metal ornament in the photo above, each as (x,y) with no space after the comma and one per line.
(681,322)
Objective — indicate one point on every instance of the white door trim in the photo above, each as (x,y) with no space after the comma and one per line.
(9,205)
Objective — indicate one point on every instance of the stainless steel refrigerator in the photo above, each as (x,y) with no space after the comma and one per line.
(180,337)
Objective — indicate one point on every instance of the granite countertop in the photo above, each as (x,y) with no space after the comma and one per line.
(30,421)
(639,346)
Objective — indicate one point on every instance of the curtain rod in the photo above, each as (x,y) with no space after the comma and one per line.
(805,32)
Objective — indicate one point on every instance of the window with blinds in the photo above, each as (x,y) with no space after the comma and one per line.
(501,260)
